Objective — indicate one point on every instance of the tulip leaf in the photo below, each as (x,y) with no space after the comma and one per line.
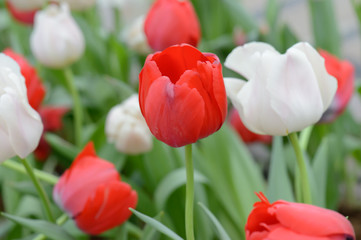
(62,146)
(171,182)
(279,184)
(157,225)
(149,232)
(325,27)
(222,234)
(48,229)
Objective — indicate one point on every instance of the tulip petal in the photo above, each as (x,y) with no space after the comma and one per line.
(70,185)
(284,233)
(327,83)
(107,207)
(181,127)
(243,59)
(312,220)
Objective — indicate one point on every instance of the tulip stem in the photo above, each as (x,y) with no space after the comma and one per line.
(306,190)
(43,197)
(189,193)
(77,107)
(44,176)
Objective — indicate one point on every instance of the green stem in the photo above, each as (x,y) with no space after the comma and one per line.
(46,177)
(59,221)
(189,193)
(77,107)
(306,190)
(305,137)
(43,197)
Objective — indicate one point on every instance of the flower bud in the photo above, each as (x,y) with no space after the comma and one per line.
(135,37)
(56,40)
(26,5)
(126,128)
(20,125)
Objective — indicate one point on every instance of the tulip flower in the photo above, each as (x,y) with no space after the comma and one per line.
(171,22)
(182,95)
(296,221)
(126,127)
(344,73)
(91,192)
(21,126)
(284,93)
(35,88)
(22,16)
(246,135)
(56,40)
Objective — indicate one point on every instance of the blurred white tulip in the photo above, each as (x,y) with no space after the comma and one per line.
(27,5)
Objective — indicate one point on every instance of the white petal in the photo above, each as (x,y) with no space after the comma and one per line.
(327,83)
(243,59)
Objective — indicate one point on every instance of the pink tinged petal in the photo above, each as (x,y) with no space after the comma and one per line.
(71,185)
(327,83)
(174,113)
(313,221)
(295,94)
(107,207)
(243,59)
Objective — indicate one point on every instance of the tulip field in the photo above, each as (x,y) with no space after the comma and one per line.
(177,119)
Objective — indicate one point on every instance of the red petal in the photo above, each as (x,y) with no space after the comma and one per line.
(284,233)
(26,17)
(43,150)
(312,220)
(107,207)
(171,22)
(51,117)
(174,114)
(81,180)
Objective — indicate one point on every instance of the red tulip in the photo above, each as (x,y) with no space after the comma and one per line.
(171,22)
(344,72)
(51,117)
(296,221)
(35,89)
(246,135)
(91,192)
(182,95)
(26,17)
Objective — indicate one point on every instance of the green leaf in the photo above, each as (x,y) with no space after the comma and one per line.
(171,182)
(48,229)
(149,232)
(325,28)
(157,225)
(222,234)
(279,184)
(60,145)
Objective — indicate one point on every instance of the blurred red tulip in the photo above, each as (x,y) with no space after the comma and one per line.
(35,88)
(182,95)
(296,221)
(246,135)
(25,17)
(171,22)
(344,72)
(91,192)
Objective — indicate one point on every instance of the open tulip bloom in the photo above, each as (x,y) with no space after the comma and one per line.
(284,93)
(283,220)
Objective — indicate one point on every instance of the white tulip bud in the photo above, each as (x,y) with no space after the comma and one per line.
(20,125)
(126,127)
(284,93)
(135,37)
(56,40)
(27,5)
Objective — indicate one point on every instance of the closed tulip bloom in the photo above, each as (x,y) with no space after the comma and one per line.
(284,93)
(56,40)
(20,124)
(91,192)
(246,135)
(26,5)
(182,95)
(171,22)
(126,128)
(296,221)
(25,16)
(344,73)
(35,88)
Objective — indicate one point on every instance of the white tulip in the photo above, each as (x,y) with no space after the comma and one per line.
(56,40)
(284,93)
(20,125)
(126,127)
(135,37)
(27,5)
(78,5)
